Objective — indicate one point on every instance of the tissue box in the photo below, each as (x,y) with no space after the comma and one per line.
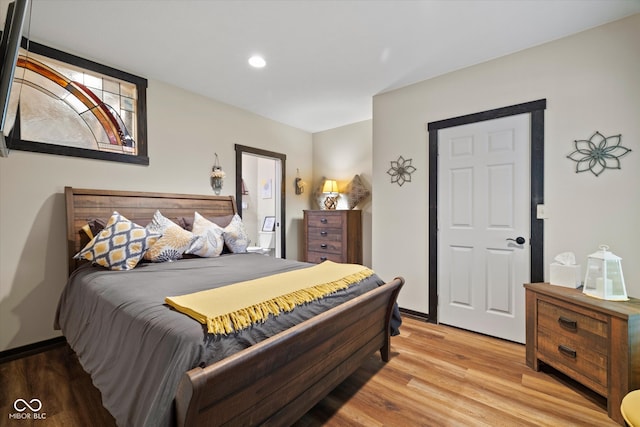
(569,276)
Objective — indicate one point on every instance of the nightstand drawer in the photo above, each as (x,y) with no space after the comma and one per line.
(574,358)
(574,343)
(322,219)
(588,331)
(324,234)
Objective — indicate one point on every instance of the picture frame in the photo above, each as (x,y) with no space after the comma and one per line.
(71,106)
(266,188)
(269,223)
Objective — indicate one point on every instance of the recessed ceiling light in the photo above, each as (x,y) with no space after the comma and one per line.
(257,61)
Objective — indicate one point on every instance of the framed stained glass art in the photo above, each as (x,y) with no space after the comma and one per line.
(71,106)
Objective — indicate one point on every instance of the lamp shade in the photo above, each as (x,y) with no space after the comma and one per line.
(330,186)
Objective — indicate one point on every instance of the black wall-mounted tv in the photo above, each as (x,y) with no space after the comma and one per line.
(9,47)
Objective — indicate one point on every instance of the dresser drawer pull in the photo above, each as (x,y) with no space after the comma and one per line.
(323,246)
(323,220)
(323,233)
(568,323)
(567,351)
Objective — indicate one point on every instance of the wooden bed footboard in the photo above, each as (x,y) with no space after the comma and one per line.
(278,380)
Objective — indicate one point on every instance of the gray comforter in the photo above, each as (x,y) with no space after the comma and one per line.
(136,348)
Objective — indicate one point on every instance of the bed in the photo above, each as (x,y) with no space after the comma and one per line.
(178,374)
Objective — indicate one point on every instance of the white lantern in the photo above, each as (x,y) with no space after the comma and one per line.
(604,277)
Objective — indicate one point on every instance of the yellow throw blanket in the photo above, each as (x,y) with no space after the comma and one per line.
(240,305)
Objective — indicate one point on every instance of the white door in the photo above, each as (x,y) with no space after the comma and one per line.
(483,203)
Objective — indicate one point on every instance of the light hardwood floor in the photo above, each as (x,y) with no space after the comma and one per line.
(437,376)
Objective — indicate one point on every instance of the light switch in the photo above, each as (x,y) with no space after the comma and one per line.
(541,212)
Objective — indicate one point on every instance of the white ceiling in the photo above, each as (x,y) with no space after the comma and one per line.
(325,59)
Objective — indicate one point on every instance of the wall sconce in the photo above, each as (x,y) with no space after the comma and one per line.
(330,187)
(299,184)
(217,176)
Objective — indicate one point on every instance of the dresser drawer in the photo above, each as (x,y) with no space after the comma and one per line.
(324,246)
(321,219)
(318,257)
(324,234)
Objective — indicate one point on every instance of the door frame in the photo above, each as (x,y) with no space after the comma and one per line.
(242,149)
(536,239)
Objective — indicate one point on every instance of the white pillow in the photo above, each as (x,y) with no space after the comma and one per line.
(209,241)
(235,236)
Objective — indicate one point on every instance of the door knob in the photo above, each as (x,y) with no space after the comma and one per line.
(519,240)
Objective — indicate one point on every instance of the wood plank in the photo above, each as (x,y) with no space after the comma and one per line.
(437,376)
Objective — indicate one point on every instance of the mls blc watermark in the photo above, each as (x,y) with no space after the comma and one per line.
(28,410)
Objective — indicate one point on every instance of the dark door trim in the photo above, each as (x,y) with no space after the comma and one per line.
(242,149)
(536,109)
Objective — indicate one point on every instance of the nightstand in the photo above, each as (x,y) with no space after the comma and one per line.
(593,341)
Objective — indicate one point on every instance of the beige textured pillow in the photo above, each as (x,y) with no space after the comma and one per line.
(356,192)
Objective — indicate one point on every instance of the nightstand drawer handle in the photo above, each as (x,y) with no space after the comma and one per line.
(323,220)
(567,351)
(323,246)
(323,233)
(323,258)
(568,323)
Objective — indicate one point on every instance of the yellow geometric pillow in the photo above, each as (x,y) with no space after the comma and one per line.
(120,245)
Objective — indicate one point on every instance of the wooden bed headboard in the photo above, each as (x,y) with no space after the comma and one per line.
(85,204)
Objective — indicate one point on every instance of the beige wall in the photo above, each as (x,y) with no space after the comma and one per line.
(340,154)
(591,82)
(184,132)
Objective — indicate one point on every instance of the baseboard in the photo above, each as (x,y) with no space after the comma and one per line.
(416,315)
(30,349)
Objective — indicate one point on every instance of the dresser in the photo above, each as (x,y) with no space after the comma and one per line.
(334,235)
(593,341)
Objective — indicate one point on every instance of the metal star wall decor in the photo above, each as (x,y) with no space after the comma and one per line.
(598,153)
(401,170)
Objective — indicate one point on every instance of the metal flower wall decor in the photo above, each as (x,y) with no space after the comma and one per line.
(401,170)
(598,153)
